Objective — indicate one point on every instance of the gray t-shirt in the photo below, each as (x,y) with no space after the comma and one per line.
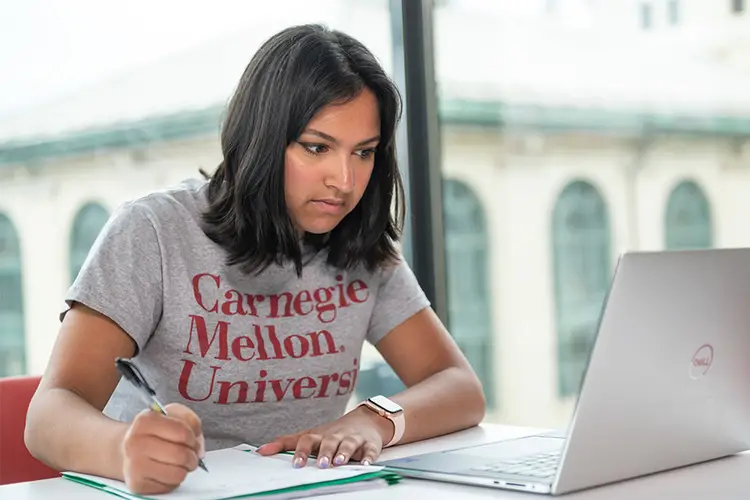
(253,356)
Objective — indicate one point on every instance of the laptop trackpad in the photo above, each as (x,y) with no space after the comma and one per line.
(512,448)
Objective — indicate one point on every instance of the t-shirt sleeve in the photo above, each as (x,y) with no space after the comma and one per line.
(399,297)
(122,275)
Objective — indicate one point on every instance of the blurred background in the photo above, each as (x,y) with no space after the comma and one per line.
(568,132)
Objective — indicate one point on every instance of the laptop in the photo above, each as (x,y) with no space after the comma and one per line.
(667,384)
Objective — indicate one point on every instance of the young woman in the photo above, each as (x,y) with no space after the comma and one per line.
(245,300)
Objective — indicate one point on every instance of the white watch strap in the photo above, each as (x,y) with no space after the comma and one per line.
(398,425)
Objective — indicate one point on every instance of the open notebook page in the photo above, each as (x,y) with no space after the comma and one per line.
(239,472)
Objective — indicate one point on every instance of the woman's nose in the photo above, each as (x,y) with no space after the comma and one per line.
(341,176)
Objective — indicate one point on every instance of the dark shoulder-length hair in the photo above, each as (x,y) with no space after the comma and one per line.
(293,75)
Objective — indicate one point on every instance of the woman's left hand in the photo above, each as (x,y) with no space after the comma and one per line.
(358,435)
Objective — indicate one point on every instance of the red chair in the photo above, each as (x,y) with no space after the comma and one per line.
(16,463)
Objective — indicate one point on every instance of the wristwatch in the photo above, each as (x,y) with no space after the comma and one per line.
(390,410)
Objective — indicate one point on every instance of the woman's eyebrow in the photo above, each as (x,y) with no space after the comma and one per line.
(332,139)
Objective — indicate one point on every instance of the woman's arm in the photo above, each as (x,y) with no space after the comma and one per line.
(65,427)
(443,393)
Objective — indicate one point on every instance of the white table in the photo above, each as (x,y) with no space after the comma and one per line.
(725,479)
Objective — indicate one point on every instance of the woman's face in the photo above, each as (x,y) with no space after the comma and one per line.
(328,168)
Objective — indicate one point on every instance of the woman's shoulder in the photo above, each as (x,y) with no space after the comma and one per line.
(395,265)
(178,203)
(396,268)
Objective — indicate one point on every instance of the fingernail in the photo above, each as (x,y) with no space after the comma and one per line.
(201,446)
(297,463)
(323,462)
(365,462)
(339,460)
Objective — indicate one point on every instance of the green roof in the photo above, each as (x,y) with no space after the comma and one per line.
(488,114)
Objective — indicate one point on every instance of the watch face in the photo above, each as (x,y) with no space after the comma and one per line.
(386,404)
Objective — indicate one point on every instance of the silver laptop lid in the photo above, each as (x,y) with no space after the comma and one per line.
(669,379)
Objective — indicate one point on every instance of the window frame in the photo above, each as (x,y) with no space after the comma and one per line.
(688,195)
(11,271)
(582,314)
(88,211)
(470,307)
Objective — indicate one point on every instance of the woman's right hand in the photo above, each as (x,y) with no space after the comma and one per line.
(159,451)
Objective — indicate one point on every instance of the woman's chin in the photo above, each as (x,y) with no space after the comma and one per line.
(320,226)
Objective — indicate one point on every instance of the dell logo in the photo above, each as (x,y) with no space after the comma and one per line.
(701,362)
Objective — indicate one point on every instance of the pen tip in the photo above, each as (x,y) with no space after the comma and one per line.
(202,465)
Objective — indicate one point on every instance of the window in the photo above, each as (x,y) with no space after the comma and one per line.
(646,16)
(673,12)
(466,256)
(582,256)
(738,6)
(87,224)
(12,336)
(688,218)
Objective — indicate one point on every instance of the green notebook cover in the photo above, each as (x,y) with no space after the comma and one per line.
(389,477)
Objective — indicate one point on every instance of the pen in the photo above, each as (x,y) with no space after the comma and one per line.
(133,375)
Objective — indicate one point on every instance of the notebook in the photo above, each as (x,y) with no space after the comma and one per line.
(240,472)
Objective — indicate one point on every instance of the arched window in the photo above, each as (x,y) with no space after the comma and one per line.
(466,260)
(12,337)
(86,226)
(687,221)
(582,261)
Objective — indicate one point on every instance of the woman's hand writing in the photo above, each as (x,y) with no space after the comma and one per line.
(159,451)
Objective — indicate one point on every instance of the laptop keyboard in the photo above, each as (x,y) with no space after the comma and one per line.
(542,465)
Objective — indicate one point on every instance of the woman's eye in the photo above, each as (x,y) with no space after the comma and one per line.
(315,149)
(366,153)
